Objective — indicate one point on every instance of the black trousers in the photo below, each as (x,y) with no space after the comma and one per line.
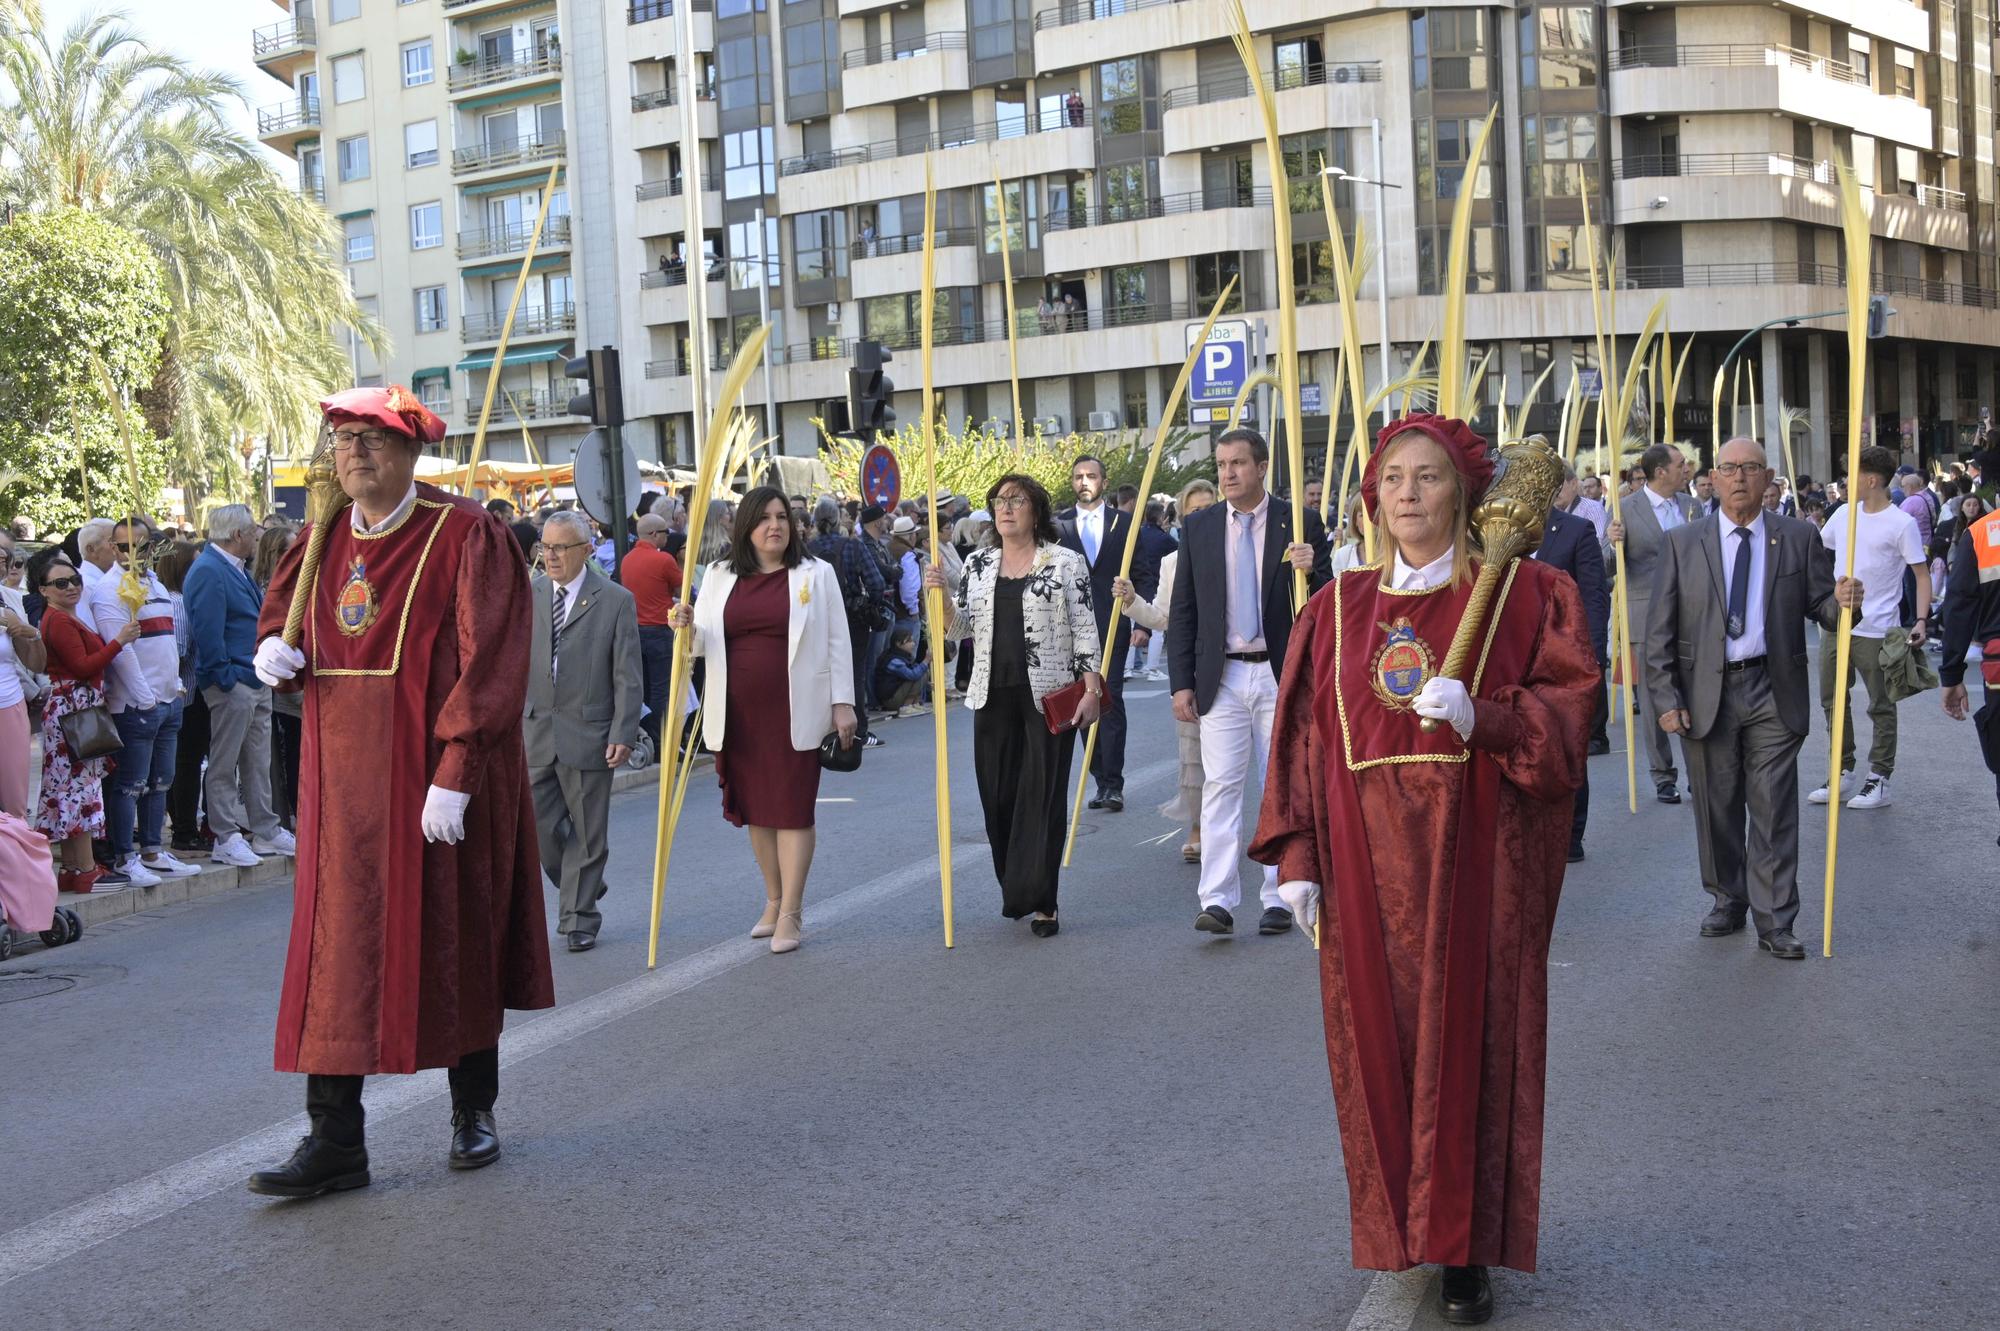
(1107,761)
(1023,776)
(857,649)
(1581,818)
(656,656)
(1600,716)
(184,796)
(285,740)
(334,1103)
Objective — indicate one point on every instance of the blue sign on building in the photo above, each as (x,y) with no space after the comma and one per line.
(1219,371)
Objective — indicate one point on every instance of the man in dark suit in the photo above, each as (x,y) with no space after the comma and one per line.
(1570,544)
(1726,669)
(1655,508)
(1098,532)
(586,684)
(1227,629)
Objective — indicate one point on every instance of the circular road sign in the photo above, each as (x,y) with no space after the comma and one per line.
(881,477)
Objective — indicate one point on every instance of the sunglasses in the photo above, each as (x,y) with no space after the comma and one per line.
(61,584)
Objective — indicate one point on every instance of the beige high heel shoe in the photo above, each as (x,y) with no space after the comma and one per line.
(762,929)
(783,942)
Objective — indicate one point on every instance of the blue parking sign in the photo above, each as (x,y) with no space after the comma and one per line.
(1220,370)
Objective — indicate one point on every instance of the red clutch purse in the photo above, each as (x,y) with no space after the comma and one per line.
(1059,708)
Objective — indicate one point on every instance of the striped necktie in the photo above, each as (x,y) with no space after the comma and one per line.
(557,614)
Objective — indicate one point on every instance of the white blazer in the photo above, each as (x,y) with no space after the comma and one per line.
(820,660)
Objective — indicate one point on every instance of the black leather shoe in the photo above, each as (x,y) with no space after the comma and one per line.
(1721,922)
(1114,800)
(1215,920)
(1048,928)
(1465,1298)
(1667,793)
(581,942)
(1599,746)
(1576,852)
(474,1143)
(1275,920)
(1096,801)
(1780,944)
(317,1166)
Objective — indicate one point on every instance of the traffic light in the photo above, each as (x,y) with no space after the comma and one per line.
(603,395)
(1878,315)
(869,391)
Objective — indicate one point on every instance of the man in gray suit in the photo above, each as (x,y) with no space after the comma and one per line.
(1647,515)
(1725,655)
(586,685)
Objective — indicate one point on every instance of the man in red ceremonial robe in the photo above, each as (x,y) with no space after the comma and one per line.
(417,916)
(1441,854)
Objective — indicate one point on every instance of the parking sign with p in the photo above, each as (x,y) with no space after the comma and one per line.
(1219,371)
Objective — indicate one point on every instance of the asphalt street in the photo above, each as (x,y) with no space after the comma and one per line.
(1127,1126)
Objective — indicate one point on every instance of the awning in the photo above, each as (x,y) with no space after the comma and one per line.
(524,356)
(436,372)
(519,185)
(542,262)
(540,89)
(358,212)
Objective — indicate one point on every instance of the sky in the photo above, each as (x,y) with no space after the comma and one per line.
(212,34)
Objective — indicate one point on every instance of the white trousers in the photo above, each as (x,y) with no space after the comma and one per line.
(1235,730)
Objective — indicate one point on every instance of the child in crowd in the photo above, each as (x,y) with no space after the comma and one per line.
(902,681)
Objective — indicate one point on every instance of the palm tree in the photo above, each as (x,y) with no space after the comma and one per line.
(98,120)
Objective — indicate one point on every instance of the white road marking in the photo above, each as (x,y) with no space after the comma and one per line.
(1393,1301)
(836,799)
(68,1232)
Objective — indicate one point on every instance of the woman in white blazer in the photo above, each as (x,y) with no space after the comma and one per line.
(1025,602)
(772,626)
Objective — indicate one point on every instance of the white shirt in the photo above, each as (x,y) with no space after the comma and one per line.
(1752,642)
(1434,574)
(234,562)
(1090,530)
(401,511)
(90,573)
(1593,511)
(1667,508)
(148,672)
(1885,544)
(1230,540)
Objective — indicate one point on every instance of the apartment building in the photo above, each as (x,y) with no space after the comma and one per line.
(1130,152)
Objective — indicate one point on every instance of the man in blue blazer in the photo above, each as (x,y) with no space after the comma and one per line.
(1098,531)
(1570,544)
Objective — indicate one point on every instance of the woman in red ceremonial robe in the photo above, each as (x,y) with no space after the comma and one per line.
(417,916)
(1441,854)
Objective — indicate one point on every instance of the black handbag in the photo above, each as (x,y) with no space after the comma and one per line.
(834,758)
(90,733)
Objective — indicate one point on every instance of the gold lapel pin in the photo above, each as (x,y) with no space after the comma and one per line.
(805,596)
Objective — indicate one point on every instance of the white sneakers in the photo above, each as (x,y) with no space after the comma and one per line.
(280,842)
(1821,795)
(167,866)
(1874,793)
(234,850)
(135,869)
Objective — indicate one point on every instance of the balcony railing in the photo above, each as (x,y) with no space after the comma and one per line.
(909,48)
(540,404)
(288,117)
(511,238)
(1667,276)
(507,152)
(1282,80)
(674,274)
(314,188)
(1736,55)
(527,323)
(992,131)
(1937,196)
(1165,205)
(883,246)
(1644,165)
(645,11)
(1083,11)
(671,187)
(294,35)
(525,65)
(654,98)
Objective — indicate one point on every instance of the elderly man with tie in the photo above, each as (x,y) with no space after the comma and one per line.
(1649,513)
(586,682)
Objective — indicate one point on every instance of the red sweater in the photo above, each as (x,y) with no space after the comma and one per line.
(654,578)
(74,651)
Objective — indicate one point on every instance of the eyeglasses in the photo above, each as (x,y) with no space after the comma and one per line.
(61,584)
(1739,468)
(572,545)
(372,440)
(1008,503)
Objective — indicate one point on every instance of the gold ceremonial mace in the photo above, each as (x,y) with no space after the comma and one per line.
(1511,520)
(325,501)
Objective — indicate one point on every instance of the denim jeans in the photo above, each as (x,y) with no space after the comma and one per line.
(135,798)
(656,653)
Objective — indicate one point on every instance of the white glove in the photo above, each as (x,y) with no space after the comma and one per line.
(1302,900)
(444,815)
(276,662)
(1446,700)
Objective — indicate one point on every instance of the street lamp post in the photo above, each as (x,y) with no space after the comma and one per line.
(1381,249)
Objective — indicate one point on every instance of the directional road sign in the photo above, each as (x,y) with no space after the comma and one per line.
(1219,371)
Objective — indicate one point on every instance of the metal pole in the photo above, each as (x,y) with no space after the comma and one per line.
(695,266)
(1261,339)
(764,313)
(1382,257)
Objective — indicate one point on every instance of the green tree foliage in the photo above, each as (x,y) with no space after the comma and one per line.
(971,459)
(75,289)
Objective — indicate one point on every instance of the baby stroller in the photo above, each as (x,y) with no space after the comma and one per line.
(28,890)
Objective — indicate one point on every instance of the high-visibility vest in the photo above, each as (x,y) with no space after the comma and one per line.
(1986,546)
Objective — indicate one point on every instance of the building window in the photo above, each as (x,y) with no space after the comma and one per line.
(1297,62)
(432,390)
(354,158)
(339,11)
(1127,286)
(1559,47)
(1312,272)
(432,316)
(749,168)
(420,144)
(360,236)
(1124,191)
(1209,273)
(750,256)
(819,245)
(1562,156)
(1482,272)
(350,83)
(1024,217)
(417,66)
(1132,395)
(1120,97)
(426,226)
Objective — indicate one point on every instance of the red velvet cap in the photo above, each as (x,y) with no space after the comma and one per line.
(392,408)
(1466,449)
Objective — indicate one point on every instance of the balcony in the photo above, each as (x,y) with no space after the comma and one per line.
(671,188)
(283,49)
(1310,99)
(546,321)
(314,188)
(526,67)
(1284,80)
(513,238)
(465,9)
(1738,186)
(1072,12)
(657,121)
(655,98)
(1660,79)
(882,247)
(1637,165)
(897,71)
(539,405)
(645,11)
(673,273)
(499,153)
(287,124)
(1202,222)
(1165,205)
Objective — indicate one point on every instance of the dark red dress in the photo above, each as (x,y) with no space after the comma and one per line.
(765,781)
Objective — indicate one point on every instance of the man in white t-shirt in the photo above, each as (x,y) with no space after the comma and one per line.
(1885,543)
